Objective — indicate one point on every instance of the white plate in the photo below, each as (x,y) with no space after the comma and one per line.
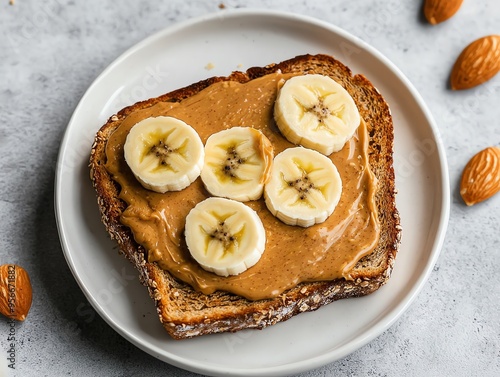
(216,45)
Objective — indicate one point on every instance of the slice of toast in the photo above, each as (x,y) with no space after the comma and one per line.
(185,312)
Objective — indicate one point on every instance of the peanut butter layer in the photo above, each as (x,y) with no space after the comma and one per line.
(325,251)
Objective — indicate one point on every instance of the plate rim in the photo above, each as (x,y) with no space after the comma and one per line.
(326,357)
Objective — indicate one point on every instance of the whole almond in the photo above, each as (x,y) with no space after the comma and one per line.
(481,176)
(477,63)
(437,11)
(15,292)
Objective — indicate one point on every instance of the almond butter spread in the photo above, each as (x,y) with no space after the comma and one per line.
(293,254)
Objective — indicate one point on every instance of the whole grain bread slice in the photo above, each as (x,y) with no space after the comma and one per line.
(186,313)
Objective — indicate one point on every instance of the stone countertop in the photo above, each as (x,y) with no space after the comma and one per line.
(51,51)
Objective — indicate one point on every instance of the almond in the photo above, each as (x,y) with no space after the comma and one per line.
(437,11)
(477,63)
(15,292)
(481,176)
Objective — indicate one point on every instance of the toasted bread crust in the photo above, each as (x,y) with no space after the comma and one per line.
(186,313)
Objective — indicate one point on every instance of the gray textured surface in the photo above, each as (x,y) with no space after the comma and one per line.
(51,51)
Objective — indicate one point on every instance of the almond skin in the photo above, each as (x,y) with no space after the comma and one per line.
(15,292)
(477,63)
(481,176)
(437,11)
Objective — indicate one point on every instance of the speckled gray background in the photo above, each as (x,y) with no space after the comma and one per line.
(51,51)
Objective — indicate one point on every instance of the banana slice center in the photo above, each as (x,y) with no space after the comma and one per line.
(306,191)
(163,151)
(233,161)
(303,185)
(320,110)
(323,112)
(227,239)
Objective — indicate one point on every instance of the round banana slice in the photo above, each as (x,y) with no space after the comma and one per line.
(224,236)
(237,163)
(304,188)
(316,112)
(164,153)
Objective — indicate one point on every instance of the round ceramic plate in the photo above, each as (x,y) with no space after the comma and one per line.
(216,45)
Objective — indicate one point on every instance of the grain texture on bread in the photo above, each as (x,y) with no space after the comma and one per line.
(185,312)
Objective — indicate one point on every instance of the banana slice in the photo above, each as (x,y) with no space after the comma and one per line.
(237,163)
(304,188)
(164,153)
(224,236)
(316,112)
